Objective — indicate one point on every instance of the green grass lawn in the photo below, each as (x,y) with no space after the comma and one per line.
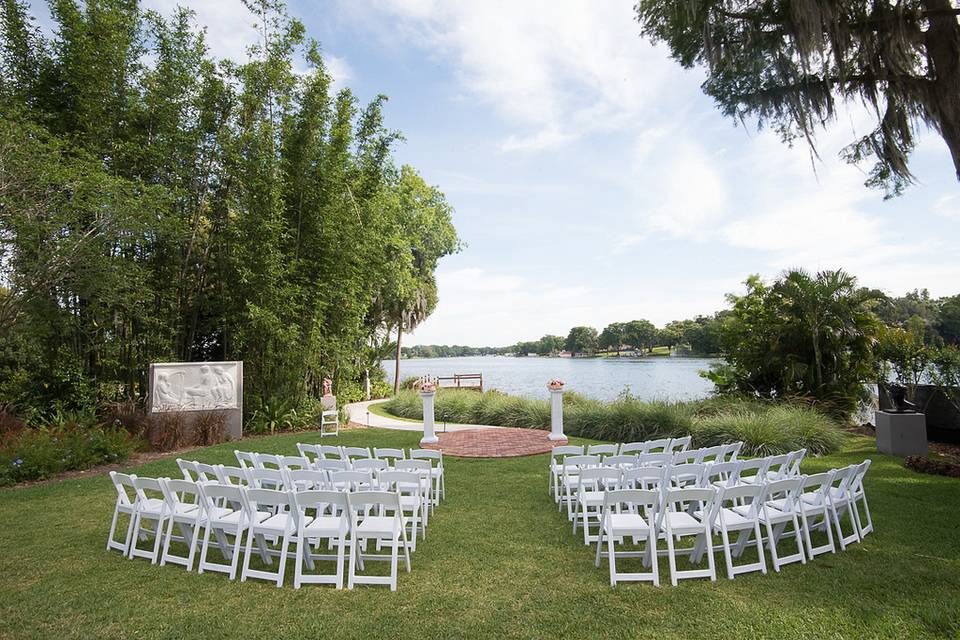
(379,410)
(498,562)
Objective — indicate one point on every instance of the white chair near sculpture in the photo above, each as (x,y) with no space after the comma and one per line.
(859,495)
(687,512)
(814,502)
(629,513)
(737,511)
(386,528)
(321,516)
(439,491)
(840,498)
(778,512)
(329,422)
(225,516)
(150,507)
(592,485)
(413,500)
(281,525)
(185,509)
(556,457)
(125,505)
(679,444)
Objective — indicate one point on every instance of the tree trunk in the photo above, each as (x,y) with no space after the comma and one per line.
(396,371)
(943,54)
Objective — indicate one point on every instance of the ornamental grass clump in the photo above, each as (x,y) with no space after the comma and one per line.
(771,430)
(628,419)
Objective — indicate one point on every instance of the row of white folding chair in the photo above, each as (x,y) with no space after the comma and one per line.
(805,503)
(226,510)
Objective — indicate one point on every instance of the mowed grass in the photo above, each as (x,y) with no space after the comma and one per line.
(498,562)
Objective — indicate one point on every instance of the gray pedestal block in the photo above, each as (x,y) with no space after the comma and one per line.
(901,434)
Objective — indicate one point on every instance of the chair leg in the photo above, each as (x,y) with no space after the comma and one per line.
(671,557)
(340,554)
(284,547)
(113,527)
(246,556)
(611,559)
(166,542)
(156,543)
(394,548)
(652,548)
(354,550)
(235,560)
(298,559)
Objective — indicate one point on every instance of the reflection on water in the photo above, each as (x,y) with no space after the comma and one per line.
(602,378)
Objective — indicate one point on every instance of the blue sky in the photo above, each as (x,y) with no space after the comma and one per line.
(593,181)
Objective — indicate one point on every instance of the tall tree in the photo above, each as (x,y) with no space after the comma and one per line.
(582,340)
(788,63)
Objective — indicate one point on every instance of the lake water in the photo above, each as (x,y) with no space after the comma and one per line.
(602,378)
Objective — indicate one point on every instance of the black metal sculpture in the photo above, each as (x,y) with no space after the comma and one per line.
(898,398)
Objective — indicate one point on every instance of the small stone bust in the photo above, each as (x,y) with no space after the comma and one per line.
(327,387)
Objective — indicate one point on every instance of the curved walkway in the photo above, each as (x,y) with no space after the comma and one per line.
(360,415)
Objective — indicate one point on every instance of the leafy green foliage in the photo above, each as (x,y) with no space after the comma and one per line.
(582,340)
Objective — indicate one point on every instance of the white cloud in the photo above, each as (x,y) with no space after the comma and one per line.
(948,206)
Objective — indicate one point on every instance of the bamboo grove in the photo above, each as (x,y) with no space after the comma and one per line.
(161,204)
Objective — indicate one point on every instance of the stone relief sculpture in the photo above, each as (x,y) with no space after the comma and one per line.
(193,386)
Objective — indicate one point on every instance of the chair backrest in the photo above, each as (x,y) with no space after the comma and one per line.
(309,451)
(370,464)
(306,480)
(600,479)
(711,454)
(331,466)
(231,475)
(685,475)
(573,465)
(620,461)
(722,472)
(562,451)
(633,447)
(420,466)
(679,444)
(657,446)
(268,461)
(404,482)
(126,491)
(752,468)
(389,454)
(816,488)
(603,449)
(147,488)
(793,469)
(730,452)
(265,478)
(320,502)
(655,459)
(331,452)
(857,483)
(256,498)
(188,468)
(352,480)
(214,495)
(207,472)
(353,453)
(385,500)
(778,465)
(843,478)
(690,499)
(646,478)
(246,459)
(177,492)
(291,463)
(750,496)
(428,454)
(784,493)
(633,499)
(690,456)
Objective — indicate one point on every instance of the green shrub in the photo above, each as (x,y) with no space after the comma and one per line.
(35,454)
(771,430)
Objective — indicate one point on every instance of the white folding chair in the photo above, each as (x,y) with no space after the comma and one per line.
(388,454)
(151,507)
(758,467)
(268,461)
(331,466)
(189,469)
(292,463)
(603,449)
(629,513)
(370,464)
(710,454)
(309,451)
(780,511)
(679,444)
(424,470)
(687,512)
(620,461)
(306,480)
(187,515)
(556,456)
(814,502)
(569,479)
(206,472)
(246,459)
(329,423)
(226,516)
(840,498)
(635,448)
(591,486)
(413,500)
(385,525)
(265,478)
(646,478)
(125,505)
(331,452)
(280,524)
(860,498)
(231,475)
(721,474)
(321,516)
(688,456)
(661,445)
(777,467)
(439,491)
(353,481)
(737,510)
(680,476)
(661,459)
(730,452)
(793,469)
(355,453)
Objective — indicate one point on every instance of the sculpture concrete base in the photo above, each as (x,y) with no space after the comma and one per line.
(901,434)
(556,437)
(431,440)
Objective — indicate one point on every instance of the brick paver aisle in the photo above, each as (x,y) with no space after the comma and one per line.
(494,443)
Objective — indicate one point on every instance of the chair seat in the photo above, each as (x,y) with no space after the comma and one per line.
(325,527)
(734,519)
(838,496)
(681,520)
(151,506)
(278,522)
(227,515)
(617,524)
(410,503)
(592,497)
(380,526)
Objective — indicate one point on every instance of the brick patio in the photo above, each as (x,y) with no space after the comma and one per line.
(494,443)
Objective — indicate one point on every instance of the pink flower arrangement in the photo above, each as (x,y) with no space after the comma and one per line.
(555,385)
(428,387)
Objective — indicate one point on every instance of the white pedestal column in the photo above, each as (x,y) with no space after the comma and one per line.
(429,437)
(556,413)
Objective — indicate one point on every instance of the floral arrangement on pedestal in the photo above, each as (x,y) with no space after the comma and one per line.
(555,385)
(428,387)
